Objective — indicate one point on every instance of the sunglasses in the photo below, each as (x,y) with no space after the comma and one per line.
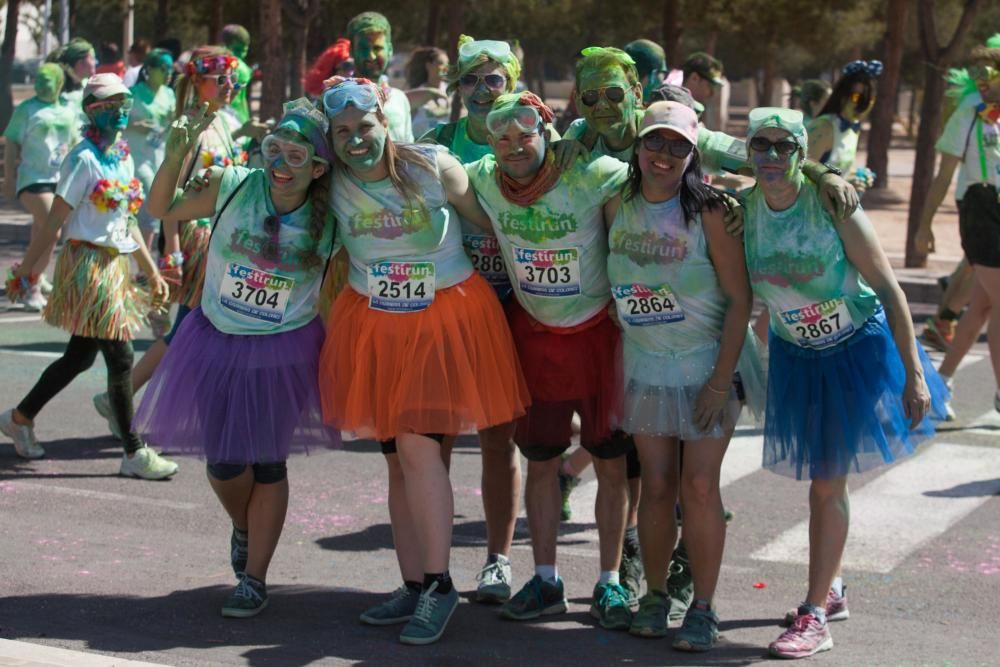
(984,73)
(783,148)
(223,79)
(613,94)
(295,155)
(526,119)
(655,143)
(492,81)
(109,105)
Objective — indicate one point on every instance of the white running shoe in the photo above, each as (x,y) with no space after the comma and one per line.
(102,403)
(34,302)
(147,464)
(949,412)
(44,285)
(23,436)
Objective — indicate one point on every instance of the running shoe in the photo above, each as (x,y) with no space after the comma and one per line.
(566,485)
(239,551)
(494,581)
(949,412)
(836,608)
(536,599)
(631,574)
(610,606)
(938,333)
(431,616)
(651,619)
(25,444)
(680,585)
(807,636)
(249,599)
(34,302)
(398,608)
(44,285)
(700,630)
(147,464)
(102,403)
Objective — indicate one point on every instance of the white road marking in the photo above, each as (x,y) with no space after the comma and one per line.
(908,505)
(104,495)
(26,653)
(21,319)
(32,353)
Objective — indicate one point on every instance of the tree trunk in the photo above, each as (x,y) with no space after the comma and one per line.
(672,29)
(433,21)
(7,63)
(888,92)
(711,42)
(161,22)
(215,23)
(272,60)
(936,62)
(301,38)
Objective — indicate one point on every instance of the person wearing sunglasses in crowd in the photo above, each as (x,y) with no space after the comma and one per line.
(551,232)
(835,131)
(209,79)
(152,111)
(371,49)
(683,300)
(239,385)
(970,143)
(485,70)
(418,349)
(96,200)
(40,134)
(849,387)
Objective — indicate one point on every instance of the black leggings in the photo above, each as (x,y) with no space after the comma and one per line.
(79,356)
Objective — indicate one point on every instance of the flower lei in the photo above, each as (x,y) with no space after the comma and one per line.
(220,157)
(220,63)
(109,155)
(113,195)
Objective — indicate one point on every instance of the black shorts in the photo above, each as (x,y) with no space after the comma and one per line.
(979,225)
(38,188)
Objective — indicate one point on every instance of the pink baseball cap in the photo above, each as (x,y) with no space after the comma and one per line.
(103,86)
(671,116)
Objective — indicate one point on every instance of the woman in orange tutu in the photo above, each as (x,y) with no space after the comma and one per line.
(418,346)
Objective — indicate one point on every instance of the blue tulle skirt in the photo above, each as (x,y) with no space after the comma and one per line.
(840,410)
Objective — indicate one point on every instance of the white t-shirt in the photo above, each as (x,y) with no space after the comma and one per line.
(960,138)
(104,194)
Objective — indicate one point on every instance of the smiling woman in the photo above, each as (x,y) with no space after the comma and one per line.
(419,348)
(239,383)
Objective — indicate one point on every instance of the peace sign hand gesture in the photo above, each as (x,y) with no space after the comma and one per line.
(184,132)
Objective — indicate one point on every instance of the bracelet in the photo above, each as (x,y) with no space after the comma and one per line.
(716,391)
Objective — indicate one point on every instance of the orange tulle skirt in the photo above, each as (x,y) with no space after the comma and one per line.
(451,368)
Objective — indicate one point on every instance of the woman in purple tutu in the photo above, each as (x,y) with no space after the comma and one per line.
(239,383)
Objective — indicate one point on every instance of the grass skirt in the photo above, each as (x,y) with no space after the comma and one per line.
(661,390)
(840,410)
(450,368)
(93,295)
(236,399)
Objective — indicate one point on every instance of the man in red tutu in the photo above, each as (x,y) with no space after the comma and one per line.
(551,231)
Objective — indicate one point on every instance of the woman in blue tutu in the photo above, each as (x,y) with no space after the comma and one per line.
(849,388)
(239,384)
(683,301)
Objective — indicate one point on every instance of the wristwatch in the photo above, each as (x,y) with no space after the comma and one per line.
(830,169)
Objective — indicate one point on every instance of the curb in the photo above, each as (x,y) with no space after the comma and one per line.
(37,655)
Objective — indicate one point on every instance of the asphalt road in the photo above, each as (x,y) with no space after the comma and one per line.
(94,562)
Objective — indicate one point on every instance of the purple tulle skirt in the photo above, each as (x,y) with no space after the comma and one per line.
(236,399)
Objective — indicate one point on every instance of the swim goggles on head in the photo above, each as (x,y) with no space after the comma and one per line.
(790,120)
(295,154)
(361,94)
(493,48)
(527,119)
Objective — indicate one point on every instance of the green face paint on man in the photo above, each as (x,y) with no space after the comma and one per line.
(371,44)
(608,95)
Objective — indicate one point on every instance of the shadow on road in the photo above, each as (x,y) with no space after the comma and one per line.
(984,487)
(303,625)
(69,449)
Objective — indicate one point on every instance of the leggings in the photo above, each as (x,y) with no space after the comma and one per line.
(79,356)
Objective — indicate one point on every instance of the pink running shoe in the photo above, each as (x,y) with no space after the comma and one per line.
(836,608)
(806,637)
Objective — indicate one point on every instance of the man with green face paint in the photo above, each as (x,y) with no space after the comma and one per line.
(40,134)
(237,39)
(650,63)
(371,48)
(550,228)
